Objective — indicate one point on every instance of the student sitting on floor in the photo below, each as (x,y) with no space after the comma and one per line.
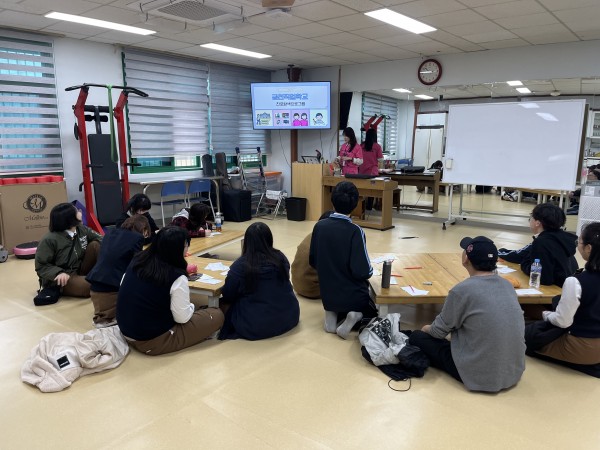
(67,253)
(119,246)
(570,335)
(154,311)
(554,247)
(304,278)
(486,351)
(258,298)
(338,252)
(193,219)
(138,204)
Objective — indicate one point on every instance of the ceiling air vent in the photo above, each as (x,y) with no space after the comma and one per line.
(191,10)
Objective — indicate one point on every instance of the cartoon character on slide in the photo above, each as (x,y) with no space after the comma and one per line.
(304,120)
(296,121)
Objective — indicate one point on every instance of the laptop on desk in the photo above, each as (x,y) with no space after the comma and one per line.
(360,175)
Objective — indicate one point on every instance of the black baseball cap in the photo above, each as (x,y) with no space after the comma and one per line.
(479,249)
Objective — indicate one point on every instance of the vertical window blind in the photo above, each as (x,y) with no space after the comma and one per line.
(387,130)
(173,120)
(29,132)
(231,118)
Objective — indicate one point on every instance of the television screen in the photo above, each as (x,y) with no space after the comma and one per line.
(291,106)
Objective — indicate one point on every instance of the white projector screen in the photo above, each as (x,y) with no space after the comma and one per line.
(523,144)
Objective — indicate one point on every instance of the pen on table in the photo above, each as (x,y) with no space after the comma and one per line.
(396,275)
(415,267)
(411,288)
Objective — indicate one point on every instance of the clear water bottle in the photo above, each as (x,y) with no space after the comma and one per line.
(218,221)
(536,274)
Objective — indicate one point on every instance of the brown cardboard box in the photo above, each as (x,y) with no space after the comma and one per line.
(25,211)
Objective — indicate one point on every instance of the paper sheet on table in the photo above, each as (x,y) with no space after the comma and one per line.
(393,280)
(530,291)
(225,273)
(505,269)
(414,291)
(386,257)
(214,233)
(216,266)
(376,272)
(208,279)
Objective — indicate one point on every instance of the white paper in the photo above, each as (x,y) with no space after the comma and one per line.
(393,280)
(386,257)
(414,291)
(505,269)
(225,273)
(218,266)
(214,233)
(376,272)
(208,279)
(530,291)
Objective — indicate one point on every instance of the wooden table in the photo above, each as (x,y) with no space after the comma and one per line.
(370,187)
(212,291)
(444,271)
(214,242)
(425,180)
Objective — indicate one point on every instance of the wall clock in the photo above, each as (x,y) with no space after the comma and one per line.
(430,72)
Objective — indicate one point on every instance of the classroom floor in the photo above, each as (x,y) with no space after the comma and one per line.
(306,389)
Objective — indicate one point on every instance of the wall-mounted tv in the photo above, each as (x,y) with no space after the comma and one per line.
(291,106)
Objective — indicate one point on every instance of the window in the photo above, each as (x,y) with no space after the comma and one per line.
(168,130)
(387,130)
(29,133)
(231,109)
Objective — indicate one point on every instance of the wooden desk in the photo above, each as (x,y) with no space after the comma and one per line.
(215,180)
(425,180)
(212,291)
(444,271)
(373,187)
(214,242)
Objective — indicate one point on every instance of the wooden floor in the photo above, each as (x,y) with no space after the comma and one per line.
(307,389)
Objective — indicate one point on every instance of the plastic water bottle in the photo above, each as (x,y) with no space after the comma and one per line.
(218,221)
(536,274)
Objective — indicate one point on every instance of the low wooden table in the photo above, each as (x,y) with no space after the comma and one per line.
(444,271)
(425,180)
(214,241)
(212,291)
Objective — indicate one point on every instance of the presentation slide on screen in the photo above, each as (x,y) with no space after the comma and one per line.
(291,105)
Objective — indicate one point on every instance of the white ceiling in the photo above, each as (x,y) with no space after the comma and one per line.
(316,33)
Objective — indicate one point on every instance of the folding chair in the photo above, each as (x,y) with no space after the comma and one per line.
(270,201)
(170,189)
(197,187)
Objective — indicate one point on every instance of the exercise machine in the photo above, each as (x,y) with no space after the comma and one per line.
(102,166)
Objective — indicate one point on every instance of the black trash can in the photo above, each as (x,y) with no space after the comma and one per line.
(296,208)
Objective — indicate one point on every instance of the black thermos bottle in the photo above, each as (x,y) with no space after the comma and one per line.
(386,273)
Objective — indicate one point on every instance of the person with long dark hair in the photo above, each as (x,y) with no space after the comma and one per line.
(257,296)
(351,154)
(372,154)
(154,311)
(193,219)
(67,253)
(570,335)
(138,204)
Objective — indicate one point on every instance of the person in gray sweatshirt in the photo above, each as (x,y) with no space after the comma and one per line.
(482,315)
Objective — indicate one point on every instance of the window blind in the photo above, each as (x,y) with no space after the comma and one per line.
(387,130)
(231,109)
(173,120)
(29,133)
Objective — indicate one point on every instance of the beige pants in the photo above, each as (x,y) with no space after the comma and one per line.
(572,349)
(203,323)
(105,307)
(77,286)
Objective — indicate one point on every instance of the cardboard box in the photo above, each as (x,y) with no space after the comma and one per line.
(25,211)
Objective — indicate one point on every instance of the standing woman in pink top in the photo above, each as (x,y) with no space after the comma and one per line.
(351,155)
(372,154)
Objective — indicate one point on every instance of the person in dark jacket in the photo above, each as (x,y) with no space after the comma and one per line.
(571,334)
(68,252)
(554,247)
(338,252)
(119,246)
(193,219)
(154,311)
(138,204)
(258,298)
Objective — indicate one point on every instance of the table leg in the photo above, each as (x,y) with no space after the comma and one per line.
(383,310)
(217,191)
(213,301)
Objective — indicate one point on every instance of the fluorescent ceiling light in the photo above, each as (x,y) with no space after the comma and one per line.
(98,23)
(400,21)
(547,116)
(404,91)
(514,83)
(237,51)
(524,90)
(424,97)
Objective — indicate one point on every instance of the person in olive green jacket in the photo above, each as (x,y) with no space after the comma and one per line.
(68,252)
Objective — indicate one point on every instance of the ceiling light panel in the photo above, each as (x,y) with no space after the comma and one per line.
(98,23)
(400,20)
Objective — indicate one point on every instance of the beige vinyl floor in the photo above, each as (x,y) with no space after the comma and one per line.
(306,389)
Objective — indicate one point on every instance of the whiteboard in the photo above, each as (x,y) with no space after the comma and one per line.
(522,144)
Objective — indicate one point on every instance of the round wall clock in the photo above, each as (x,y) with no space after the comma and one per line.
(430,72)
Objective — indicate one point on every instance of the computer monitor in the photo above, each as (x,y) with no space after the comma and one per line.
(310,159)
